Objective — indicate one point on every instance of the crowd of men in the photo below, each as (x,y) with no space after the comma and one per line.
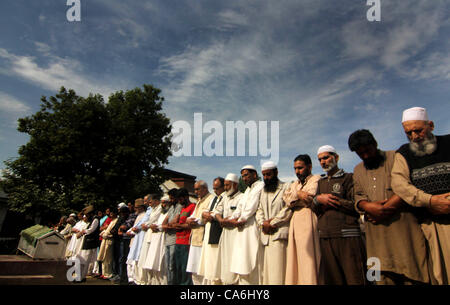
(394,210)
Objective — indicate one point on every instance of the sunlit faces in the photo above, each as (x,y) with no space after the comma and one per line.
(328,161)
(270,177)
(200,190)
(417,131)
(421,140)
(218,187)
(302,170)
(248,176)
(230,187)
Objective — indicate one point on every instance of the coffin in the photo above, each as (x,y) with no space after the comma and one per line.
(40,242)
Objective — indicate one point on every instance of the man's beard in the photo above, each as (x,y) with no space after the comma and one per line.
(164,209)
(231,191)
(303,177)
(426,147)
(330,166)
(375,162)
(270,185)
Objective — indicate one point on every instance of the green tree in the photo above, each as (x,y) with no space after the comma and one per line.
(85,151)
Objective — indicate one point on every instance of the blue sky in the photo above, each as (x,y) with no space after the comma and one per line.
(318,67)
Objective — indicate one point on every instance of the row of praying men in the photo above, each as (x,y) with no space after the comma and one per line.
(393,212)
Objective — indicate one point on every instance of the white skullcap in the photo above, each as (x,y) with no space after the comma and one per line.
(248,167)
(121,205)
(415,114)
(268,165)
(165,198)
(232,177)
(73,215)
(326,148)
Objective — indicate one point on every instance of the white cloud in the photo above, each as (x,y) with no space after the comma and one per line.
(10,104)
(59,72)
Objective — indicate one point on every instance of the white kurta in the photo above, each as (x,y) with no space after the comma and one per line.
(272,206)
(74,246)
(209,260)
(153,219)
(226,208)
(196,239)
(247,252)
(154,261)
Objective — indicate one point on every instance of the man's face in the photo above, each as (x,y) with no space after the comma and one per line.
(218,187)
(172,200)
(301,169)
(370,155)
(200,190)
(181,200)
(270,177)
(327,160)
(229,187)
(154,202)
(248,177)
(367,152)
(418,131)
(147,201)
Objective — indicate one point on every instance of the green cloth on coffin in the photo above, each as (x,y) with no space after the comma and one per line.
(32,234)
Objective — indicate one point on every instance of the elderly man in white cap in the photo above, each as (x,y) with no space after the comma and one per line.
(421,177)
(246,260)
(273,216)
(153,200)
(342,249)
(223,212)
(154,263)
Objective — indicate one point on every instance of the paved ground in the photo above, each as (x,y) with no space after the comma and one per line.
(94,281)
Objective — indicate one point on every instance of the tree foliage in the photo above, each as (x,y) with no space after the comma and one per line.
(85,151)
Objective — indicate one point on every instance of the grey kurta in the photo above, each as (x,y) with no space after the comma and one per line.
(398,242)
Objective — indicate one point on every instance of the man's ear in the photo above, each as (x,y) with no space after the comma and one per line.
(431,125)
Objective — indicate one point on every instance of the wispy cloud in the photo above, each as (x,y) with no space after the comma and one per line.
(10,104)
(58,72)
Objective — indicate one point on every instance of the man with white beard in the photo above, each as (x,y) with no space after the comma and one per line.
(142,277)
(155,263)
(222,212)
(247,256)
(341,245)
(421,177)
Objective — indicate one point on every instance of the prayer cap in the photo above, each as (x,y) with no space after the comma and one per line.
(121,205)
(165,198)
(73,215)
(232,177)
(415,114)
(250,167)
(326,148)
(139,202)
(268,165)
